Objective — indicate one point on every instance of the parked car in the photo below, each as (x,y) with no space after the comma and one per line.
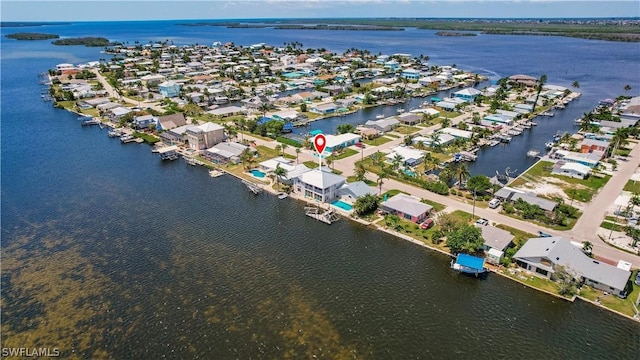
(359,144)
(494,203)
(637,281)
(427,224)
(482,222)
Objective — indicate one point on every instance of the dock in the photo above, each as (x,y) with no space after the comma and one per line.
(215,173)
(169,153)
(326,216)
(254,188)
(193,161)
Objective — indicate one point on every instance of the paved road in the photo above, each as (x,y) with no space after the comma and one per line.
(584,230)
(114,94)
(592,217)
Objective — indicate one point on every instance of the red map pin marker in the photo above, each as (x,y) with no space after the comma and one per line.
(319,142)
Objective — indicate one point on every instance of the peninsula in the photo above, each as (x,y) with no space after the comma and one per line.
(234,109)
(86,41)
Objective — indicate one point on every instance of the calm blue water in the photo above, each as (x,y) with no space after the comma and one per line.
(108,252)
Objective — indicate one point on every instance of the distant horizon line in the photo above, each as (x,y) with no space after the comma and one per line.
(330,18)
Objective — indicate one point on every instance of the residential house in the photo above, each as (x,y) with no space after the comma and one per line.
(172,121)
(409,118)
(169,89)
(511,195)
(383,125)
(495,238)
(406,207)
(526,80)
(392,65)
(335,142)
(574,170)
(205,136)
(227,152)
(227,111)
(468,94)
(256,102)
(499,119)
(593,145)
(143,122)
(443,139)
(323,108)
(319,184)
(410,156)
(118,112)
(352,191)
(457,133)
(589,159)
(153,79)
(543,256)
(411,74)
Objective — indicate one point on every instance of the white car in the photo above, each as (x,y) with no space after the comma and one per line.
(482,222)
(494,203)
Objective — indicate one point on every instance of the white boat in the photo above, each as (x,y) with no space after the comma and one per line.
(533,153)
(548,144)
(577,121)
(380,116)
(547,113)
(400,111)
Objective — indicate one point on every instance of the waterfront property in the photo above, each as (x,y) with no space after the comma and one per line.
(226,152)
(588,159)
(507,194)
(204,136)
(335,142)
(169,122)
(542,256)
(406,207)
(352,191)
(495,238)
(468,264)
(319,185)
(383,125)
(571,169)
(410,156)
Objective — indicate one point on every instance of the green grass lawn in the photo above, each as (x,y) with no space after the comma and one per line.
(543,169)
(352,178)
(346,153)
(623,152)
(377,141)
(392,136)
(436,205)
(266,153)
(392,193)
(633,186)
(256,136)
(406,129)
(311,164)
(146,137)
(533,281)
(613,302)
(609,225)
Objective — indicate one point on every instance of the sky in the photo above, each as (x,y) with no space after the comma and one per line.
(90,10)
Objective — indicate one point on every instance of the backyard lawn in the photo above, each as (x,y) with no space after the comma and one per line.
(377,141)
(633,186)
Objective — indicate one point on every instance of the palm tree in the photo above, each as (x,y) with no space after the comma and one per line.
(576,85)
(245,156)
(278,148)
(541,82)
(619,139)
(376,157)
(445,122)
(381,176)
(264,107)
(462,173)
(627,87)
(279,172)
(435,140)
(329,162)
(397,160)
(297,154)
(361,172)
(284,146)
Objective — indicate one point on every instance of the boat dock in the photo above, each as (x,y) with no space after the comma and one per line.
(169,153)
(215,173)
(254,188)
(326,216)
(193,161)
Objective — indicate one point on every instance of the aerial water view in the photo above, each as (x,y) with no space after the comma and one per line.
(320,179)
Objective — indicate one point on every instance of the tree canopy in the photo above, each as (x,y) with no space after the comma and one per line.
(366,204)
(467,239)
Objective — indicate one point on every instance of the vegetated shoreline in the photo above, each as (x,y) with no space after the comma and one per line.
(626,30)
(455,33)
(29,24)
(86,41)
(234,25)
(31,36)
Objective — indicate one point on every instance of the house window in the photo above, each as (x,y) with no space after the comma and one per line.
(542,271)
(407,216)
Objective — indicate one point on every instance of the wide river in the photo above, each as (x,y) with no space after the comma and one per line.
(108,252)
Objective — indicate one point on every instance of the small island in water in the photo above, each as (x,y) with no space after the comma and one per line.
(31,36)
(86,41)
(455,33)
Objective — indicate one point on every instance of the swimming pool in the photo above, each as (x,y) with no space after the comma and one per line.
(257,173)
(342,205)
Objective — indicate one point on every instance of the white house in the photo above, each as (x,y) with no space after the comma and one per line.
(319,185)
(542,256)
(571,169)
(410,156)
